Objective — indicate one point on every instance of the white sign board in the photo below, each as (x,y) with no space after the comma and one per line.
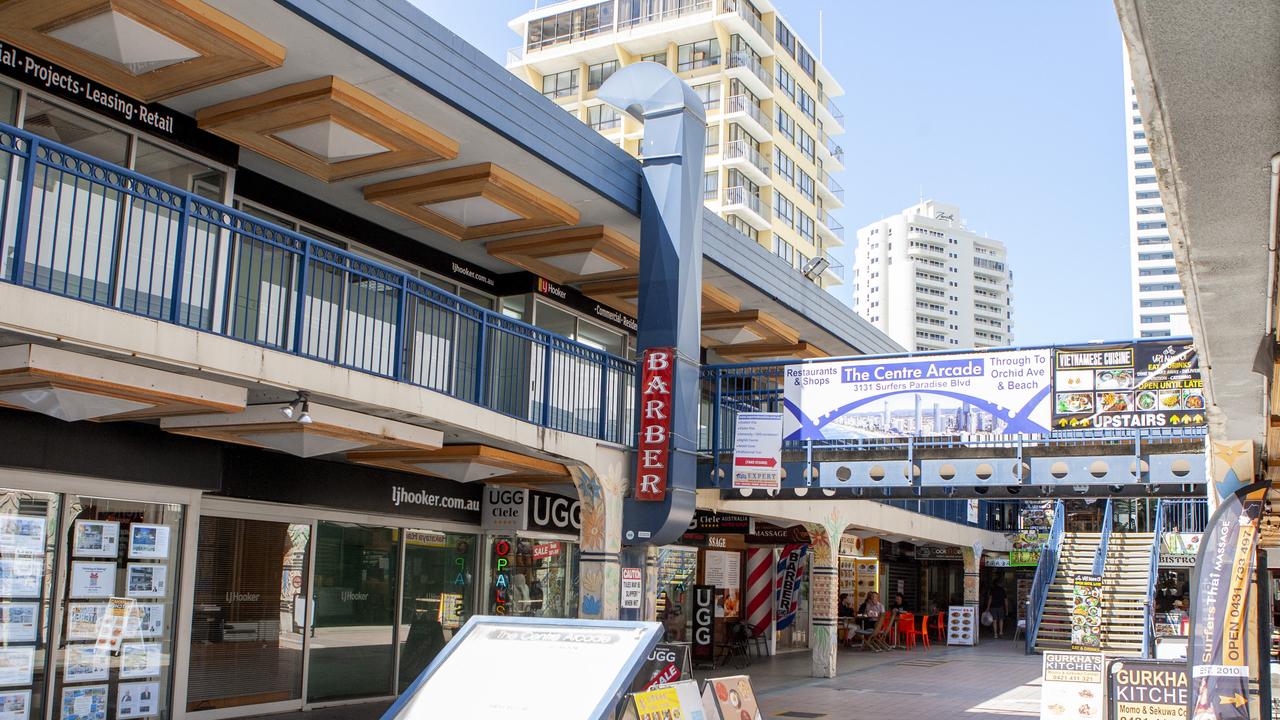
(1000,392)
(1072,688)
(632,585)
(962,625)
(757,450)
(586,665)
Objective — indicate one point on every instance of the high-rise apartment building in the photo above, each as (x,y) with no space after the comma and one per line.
(931,284)
(770,117)
(1159,309)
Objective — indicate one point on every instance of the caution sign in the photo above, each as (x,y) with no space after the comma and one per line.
(1148,690)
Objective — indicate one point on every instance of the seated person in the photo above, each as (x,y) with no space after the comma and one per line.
(846,609)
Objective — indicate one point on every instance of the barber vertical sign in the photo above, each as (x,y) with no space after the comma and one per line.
(790,574)
(1219,648)
(654,447)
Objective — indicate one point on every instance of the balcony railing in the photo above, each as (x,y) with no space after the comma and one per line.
(747,60)
(744,11)
(831,223)
(740,103)
(739,195)
(76,226)
(833,187)
(741,149)
(677,9)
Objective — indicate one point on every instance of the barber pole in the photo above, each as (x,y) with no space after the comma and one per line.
(759,589)
(789,575)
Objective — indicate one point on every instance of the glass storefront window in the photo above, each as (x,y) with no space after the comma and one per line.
(70,128)
(249,613)
(355,590)
(28,533)
(438,596)
(170,167)
(677,573)
(121,581)
(533,578)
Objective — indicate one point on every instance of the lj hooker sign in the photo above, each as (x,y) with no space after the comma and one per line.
(655,424)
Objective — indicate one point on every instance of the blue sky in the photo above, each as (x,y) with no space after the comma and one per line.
(1012,110)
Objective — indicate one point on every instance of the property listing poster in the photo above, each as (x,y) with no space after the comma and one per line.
(1129,385)
(998,393)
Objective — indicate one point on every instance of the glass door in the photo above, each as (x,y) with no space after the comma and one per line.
(353,635)
(28,536)
(249,614)
(438,596)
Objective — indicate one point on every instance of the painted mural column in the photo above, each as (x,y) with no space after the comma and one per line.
(824,592)
(599,581)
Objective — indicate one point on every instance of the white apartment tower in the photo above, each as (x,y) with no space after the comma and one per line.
(1159,309)
(931,284)
(770,117)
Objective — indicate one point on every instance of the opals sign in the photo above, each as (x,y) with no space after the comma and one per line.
(1130,385)
(654,445)
(1000,392)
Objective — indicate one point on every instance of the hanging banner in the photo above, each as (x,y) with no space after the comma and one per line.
(1001,392)
(1086,613)
(1072,686)
(1218,652)
(1035,521)
(757,450)
(704,623)
(1147,689)
(1129,385)
(790,573)
(654,445)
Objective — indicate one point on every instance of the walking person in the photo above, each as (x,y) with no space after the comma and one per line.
(997,599)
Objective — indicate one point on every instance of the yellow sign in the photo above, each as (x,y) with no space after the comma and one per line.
(658,704)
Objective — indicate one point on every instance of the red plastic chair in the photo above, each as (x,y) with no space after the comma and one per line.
(907,630)
(940,626)
(924,632)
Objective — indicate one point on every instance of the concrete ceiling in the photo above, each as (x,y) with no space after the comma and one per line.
(1207,76)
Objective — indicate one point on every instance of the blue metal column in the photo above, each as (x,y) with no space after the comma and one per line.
(670,303)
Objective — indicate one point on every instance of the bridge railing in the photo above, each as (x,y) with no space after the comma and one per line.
(1100,556)
(1149,631)
(77,226)
(1184,515)
(1045,571)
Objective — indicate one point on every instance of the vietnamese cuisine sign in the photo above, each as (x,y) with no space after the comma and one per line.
(1130,385)
(757,450)
(1001,392)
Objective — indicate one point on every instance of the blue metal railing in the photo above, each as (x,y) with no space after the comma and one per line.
(1045,571)
(1104,539)
(1149,630)
(1183,515)
(76,226)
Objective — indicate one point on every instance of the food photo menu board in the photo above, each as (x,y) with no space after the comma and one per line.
(1128,385)
(962,625)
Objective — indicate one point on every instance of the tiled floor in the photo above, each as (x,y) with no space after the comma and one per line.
(992,681)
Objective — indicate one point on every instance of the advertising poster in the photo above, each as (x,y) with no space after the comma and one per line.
(1147,689)
(1086,613)
(18,622)
(1072,687)
(704,627)
(1129,385)
(1218,649)
(84,703)
(96,538)
(1179,549)
(20,576)
(757,451)
(962,625)
(93,579)
(137,700)
(16,665)
(113,623)
(147,580)
(139,660)
(148,542)
(733,697)
(1035,522)
(999,393)
(86,662)
(15,705)
(21,534)
(667,663)
(452,609)
(679,701)
(722,569)
(82,620)
(147,620)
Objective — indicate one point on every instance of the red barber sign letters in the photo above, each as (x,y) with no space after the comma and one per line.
(655,424)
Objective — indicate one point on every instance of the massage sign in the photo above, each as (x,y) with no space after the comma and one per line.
(655,424)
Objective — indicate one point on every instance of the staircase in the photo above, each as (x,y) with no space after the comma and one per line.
(1126,578)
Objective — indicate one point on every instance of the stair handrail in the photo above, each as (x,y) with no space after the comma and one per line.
(1045,572)
(1149,626)
(1100,556)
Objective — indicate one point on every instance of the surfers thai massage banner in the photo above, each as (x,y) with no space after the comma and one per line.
(1218,652)
(1128,385)
(1002,392)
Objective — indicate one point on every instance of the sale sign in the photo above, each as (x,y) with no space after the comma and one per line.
(654,446)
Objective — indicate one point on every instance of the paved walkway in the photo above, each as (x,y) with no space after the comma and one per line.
(994,681)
